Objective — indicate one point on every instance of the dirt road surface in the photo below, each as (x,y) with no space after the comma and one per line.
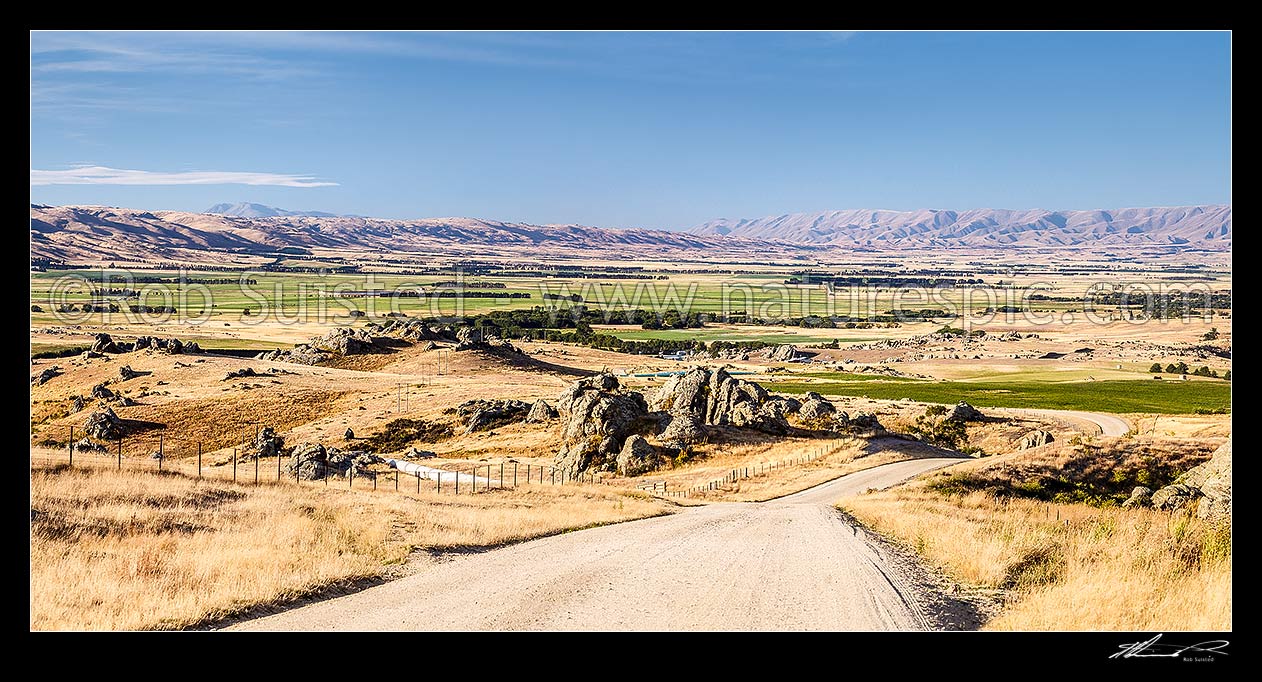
(1096,423)
(788,564)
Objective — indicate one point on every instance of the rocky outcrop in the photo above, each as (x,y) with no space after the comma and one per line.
(103,424)
(1141,496)
(126,373)
(242,373)
(484,415)
(637,456)
(46,374)
(1208,486)
(77,404)
(963,412)
(266,444)
(541,412)
(312,461)
(1035,439)
(815,406)
(783,353)
(715,398)
(682,431)
(103,343)
(102,392)
(171,346)
(597,416)
(337,342)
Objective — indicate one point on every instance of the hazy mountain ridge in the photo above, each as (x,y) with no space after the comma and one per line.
(1205,226)
(246,209)
(102,232)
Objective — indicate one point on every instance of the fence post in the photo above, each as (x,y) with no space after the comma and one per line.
(438,486)
(234,465)
(474,479)
(374,483)
(457,481)
(120,456)
(501,475)
(256,471)
(514,474)
(199,456)
(161,450)
(278,464)
(418,481)
(396,479)
(554,476)
(350,477)
(71,446)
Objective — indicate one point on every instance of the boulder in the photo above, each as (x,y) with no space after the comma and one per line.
(815,406)
(682,431)
(43,377)
(1141,496)
(963,412)
(1037,438)
(77,404)
(309,460)
(1206,485)
(349,435)
(126,373)
(103,424)
(484,415)
(637,456)
(783,353)
(861,422)
(541,411)
(597,416)
(103,343)
(102,392)
(240,374)
(265,444)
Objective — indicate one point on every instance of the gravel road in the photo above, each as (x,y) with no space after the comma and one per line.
(1102,424)
(787,564)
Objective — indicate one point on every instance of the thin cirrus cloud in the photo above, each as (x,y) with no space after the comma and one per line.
(101,175)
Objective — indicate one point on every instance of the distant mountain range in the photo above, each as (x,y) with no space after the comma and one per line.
(245,209)
(94,233)
(1205,226)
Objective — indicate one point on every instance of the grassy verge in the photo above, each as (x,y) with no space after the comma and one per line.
(1066,566)
(1122,396)
(134,550)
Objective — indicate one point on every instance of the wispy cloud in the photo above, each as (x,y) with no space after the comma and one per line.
(101,175)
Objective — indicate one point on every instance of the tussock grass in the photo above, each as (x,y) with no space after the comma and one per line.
(135,550)
(1066,566)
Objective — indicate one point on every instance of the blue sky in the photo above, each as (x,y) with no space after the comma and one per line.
(659,130)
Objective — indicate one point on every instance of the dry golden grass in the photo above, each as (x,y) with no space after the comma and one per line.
(1066,566)
(133,550)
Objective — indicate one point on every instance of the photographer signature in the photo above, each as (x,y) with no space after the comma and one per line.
(1153,648)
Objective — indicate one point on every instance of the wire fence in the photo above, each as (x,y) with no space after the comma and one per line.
(663,489)
(160,453)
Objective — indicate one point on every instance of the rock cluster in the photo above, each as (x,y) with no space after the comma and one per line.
(597,417)
(1035,439)
(715,398)
(337,342)
(312,461)
(484,415)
